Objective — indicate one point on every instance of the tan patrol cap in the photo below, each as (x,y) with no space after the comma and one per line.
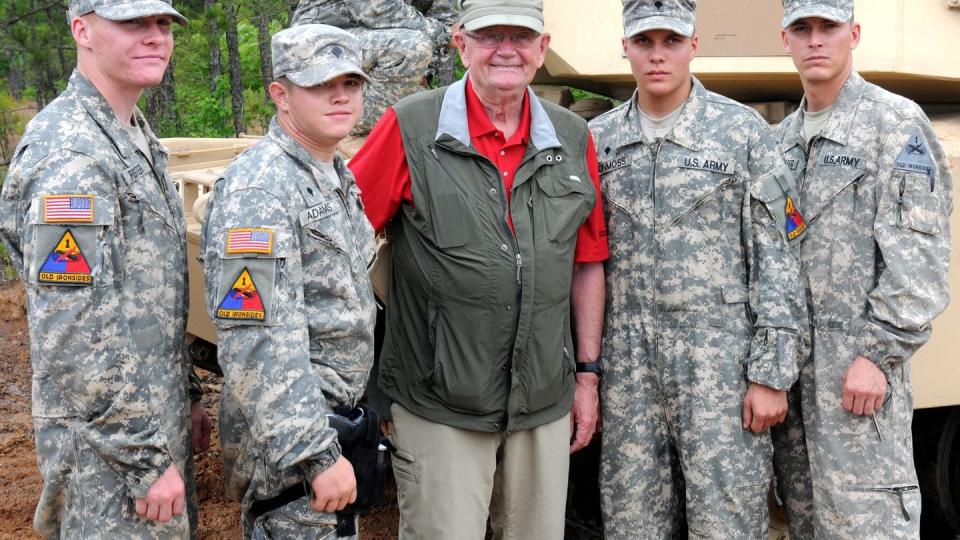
(477,14)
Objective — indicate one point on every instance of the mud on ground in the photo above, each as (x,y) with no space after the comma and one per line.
(20,480)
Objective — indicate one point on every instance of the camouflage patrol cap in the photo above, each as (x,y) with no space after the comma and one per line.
(124,10)
(839,11)
(642,15)
(312,54)
(477,14)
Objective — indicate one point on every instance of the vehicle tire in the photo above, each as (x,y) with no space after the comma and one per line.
(936,440)
(203,354)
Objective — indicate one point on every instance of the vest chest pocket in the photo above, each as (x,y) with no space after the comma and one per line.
(562,204)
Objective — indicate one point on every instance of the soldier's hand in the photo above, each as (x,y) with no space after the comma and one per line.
(763,407)
(586,409)
(334,488)
(165,498)
(864,387)
(200,427)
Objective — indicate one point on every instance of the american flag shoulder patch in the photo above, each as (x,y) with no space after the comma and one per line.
(68,208)
(253,240)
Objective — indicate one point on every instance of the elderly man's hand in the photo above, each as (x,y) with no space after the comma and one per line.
(586,410)
(200,427)
(864,387)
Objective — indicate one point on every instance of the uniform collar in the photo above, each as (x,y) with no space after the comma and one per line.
(295,150)
(102,113)
(453,118)
(839,125)
(688,130)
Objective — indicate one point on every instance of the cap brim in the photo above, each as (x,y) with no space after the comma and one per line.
(319,74)
(505,19)
(144,8)
(813,11)
(659,22)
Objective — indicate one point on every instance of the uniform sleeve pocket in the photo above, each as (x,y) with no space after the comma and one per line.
(918,207)
(247,290)
(67,240)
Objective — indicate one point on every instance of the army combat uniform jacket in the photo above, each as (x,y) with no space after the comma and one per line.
(285,262)
(703,298)
(876,192)
(96,230)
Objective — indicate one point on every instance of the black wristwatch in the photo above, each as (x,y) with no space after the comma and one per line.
(590,367)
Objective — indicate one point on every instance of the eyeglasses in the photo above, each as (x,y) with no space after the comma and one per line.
(489,40)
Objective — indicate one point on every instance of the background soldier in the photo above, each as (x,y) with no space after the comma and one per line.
(704,302)
(497,227)
(96,230)
(877,194)
(398,43)
(286,248)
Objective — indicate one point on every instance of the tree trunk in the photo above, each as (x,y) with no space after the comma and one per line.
(161,109)
(213,43)
(236,83)
(263,43)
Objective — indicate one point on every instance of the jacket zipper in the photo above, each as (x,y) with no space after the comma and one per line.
(701,200)
(896,490)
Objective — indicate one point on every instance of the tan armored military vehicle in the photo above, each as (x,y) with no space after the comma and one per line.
(908,46)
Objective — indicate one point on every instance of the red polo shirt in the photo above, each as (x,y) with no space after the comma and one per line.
(383,175)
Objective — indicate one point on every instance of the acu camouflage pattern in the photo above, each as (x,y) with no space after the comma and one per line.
(110,370)
(124,10)
(833,10)
(315,348)
(397,40)
(703,297)
(312,54)
(642,15)
(877,193)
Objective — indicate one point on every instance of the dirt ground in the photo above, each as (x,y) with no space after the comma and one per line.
(20,481)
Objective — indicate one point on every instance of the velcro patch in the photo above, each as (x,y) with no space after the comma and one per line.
(242,301)
(66,264)
(840,160)
(707,163)
(613,164)
(317,212)
(795,222)
(249,241)
(68,208)
(915,155)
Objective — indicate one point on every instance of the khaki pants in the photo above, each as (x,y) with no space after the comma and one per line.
(449,480)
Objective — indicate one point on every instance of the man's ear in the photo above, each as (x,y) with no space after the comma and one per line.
(279,95)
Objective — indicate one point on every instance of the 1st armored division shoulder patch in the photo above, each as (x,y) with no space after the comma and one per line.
(66,264)
(242,301)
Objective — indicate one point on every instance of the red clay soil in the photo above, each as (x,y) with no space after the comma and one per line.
(20,481)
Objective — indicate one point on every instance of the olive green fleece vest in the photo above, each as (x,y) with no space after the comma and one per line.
(478,326)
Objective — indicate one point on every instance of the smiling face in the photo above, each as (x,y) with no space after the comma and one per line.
(319,116)
(821,49)
(660,62)
(129,55)
(504,68)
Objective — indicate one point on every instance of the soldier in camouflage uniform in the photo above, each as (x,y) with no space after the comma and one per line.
(286,249)
(96,230)
(398,43)
(704,301)
(876,192)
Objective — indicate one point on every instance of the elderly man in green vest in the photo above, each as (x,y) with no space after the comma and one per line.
(491,197)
